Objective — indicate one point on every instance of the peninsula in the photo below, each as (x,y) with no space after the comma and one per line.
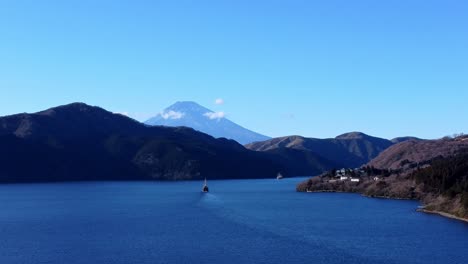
(432,171)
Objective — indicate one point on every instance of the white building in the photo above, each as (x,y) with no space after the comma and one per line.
(355,180)
(343,178)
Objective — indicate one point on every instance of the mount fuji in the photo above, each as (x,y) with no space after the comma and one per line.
(191,114)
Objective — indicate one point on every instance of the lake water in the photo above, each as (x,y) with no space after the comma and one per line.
(239,221)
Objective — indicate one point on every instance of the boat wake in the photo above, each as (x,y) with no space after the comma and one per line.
(322,248)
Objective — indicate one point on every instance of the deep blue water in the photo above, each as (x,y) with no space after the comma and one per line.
(243,221)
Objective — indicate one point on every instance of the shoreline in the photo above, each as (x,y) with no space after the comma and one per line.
(389,197)
(324,191)
(444,214)
(363,195)
(422,210)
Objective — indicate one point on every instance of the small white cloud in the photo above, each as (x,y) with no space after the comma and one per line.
(172,115)
(215,115)
(219,101)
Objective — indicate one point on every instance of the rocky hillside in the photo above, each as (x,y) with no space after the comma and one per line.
(413,152)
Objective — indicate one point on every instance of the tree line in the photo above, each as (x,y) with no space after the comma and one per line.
(446,176)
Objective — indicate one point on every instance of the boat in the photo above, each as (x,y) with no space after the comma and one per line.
(279,176)
(205,187)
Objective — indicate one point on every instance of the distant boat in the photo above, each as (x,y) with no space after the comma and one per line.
(279,176)
(205,187)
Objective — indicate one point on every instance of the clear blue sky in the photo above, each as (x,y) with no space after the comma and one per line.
(314,68)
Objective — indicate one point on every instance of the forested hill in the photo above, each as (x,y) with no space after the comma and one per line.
(446,178)
(433,171)
(82,142)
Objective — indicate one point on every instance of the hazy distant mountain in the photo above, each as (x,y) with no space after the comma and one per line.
(191,114)
(403,139)
(348,150)
(82,142)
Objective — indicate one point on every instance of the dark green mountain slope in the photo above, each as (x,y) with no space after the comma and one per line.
(82,142)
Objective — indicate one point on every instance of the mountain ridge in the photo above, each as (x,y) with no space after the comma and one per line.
(347,150)
(418,152)
(77,142)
